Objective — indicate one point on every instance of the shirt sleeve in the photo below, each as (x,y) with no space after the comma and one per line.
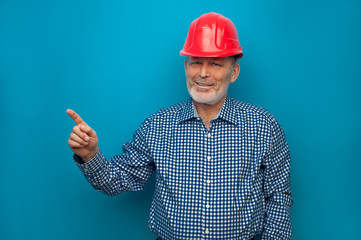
(126,172)
(277,187)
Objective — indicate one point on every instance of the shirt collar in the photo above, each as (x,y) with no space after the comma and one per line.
(187,111)
(227,112)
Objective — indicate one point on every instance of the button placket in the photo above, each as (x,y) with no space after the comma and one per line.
(207,186)
(207,220)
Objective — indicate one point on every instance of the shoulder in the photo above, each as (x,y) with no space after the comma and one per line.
(174,109)
(259,116)
(244,109)
(169,114)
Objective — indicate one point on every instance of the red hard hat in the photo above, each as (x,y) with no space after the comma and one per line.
(212,35)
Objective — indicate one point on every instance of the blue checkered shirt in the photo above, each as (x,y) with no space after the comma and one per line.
(231,181)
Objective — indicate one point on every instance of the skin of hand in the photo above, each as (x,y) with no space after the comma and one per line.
(83,140)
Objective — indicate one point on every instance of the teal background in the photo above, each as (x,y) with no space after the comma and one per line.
(116,63)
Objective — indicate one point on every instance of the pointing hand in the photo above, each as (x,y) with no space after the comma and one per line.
(83,140)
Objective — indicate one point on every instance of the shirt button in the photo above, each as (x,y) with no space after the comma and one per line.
(198,118)
(208,181)
(209,135)
(206,231)
(207,206)
(209,158)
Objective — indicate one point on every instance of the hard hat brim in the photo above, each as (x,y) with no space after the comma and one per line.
(238,54)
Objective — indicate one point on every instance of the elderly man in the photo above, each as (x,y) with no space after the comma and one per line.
(222,166)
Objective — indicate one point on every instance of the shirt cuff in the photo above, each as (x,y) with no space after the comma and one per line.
(92,167)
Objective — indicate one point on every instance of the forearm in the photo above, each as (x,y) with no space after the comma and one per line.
(278,217)
(111,177)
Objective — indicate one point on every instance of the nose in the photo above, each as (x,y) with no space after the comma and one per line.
(204,73)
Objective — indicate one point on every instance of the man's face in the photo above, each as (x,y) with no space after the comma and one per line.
(208,79)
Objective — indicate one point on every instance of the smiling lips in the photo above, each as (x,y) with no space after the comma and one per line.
(202,84)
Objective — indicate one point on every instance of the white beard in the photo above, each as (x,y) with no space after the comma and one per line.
(208,99)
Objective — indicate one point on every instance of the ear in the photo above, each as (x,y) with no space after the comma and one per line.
(235,73)
(185,66)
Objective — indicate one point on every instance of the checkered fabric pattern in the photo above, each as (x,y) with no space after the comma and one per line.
(231,181)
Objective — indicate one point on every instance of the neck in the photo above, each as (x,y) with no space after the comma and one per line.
(208,111)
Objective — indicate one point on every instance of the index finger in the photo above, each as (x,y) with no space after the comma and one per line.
(77,119)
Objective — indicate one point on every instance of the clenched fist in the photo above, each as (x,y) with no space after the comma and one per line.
(83,140)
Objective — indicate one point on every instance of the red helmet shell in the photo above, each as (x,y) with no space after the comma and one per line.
(212,35)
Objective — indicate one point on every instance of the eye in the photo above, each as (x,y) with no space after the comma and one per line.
(195,63)
(216,64)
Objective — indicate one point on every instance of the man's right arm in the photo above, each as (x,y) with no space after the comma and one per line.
(127,172)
